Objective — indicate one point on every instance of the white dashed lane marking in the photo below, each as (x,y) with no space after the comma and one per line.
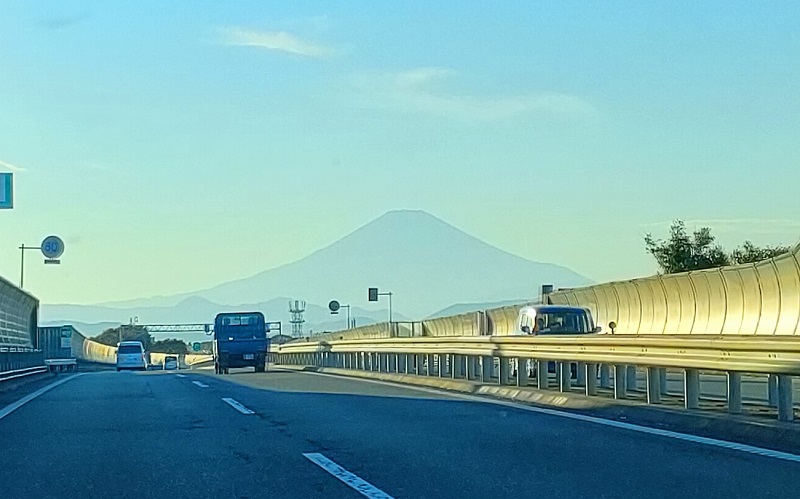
(354,481)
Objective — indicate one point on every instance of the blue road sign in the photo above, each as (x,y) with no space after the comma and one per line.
(6,191)
(52,247)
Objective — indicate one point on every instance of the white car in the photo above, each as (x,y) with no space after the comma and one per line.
(130,355)
(170,362)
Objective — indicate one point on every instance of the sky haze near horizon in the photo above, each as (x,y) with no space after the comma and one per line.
(177,146)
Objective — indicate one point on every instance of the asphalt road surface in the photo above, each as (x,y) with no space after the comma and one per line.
(293,434)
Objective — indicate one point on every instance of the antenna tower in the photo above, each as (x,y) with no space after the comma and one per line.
(297,308)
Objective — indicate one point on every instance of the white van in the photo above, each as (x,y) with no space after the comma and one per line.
(130,355)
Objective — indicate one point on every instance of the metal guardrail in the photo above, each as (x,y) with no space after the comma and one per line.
(20,373)
(478,357)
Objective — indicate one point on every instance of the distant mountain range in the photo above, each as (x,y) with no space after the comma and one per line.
(425,262)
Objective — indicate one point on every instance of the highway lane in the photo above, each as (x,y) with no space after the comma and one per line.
(157,433)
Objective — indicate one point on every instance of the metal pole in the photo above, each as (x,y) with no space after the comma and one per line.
(390,307)
(22,266)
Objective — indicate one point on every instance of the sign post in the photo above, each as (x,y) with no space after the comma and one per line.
(373,296)
(52,247)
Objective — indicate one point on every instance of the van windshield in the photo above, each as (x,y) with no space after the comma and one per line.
(561,323)
(129,349)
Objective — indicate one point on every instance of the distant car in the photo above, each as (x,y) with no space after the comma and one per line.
(130,355)
(554,320)
(170,362)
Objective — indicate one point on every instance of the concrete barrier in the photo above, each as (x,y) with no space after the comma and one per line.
(91,351)
(760,299)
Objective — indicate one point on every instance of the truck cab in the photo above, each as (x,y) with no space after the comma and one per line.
(240,340)
(538,320)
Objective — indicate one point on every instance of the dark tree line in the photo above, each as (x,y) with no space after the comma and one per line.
(683,251)
(112,336)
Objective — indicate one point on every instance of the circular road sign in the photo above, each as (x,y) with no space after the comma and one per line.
(333,306)
(52,247)
(196,346)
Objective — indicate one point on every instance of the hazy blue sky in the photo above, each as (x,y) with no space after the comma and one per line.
(174,145)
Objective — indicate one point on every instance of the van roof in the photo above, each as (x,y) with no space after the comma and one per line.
(137,343)
(556,308)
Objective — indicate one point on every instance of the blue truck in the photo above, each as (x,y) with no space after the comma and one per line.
(240,340)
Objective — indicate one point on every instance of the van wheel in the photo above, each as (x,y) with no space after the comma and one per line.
(118,369)
(225,371)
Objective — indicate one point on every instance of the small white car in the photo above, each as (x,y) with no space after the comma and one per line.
(130,355)
(170,362)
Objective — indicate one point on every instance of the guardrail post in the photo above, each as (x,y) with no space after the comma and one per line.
(619,381)
(458,366)
(542,376)
(503,376)
(605,376)
(653,385)
(487,363)
(772,390)
(785,405)
(581,374)
(691,388)
(631,382)
(522,371)
(385,362)
(473,368)
(565,376)
(590,375)
(734,392)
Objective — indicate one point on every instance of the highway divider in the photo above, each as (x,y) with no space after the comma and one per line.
(593,360)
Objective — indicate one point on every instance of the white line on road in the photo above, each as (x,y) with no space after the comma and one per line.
(713,442)
(362,486)
(5,411)
(200,384)
(181,375)
(236,405)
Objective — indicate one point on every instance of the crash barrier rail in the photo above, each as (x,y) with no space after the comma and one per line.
(498,321)
(21,373)
(492,359)
(60,365)
(761,299)
(13,361)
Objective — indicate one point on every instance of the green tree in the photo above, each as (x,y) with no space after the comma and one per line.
(112,336)
(750,253)
(683,252)
(169,345)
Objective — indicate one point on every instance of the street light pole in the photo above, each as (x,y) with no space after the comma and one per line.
(389,294)
(22,250)
(348,315)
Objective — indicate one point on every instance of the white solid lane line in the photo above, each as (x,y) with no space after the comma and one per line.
(181,375)
(686,437)
(361,486)
(200,384)
(236,405)
(5,411)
